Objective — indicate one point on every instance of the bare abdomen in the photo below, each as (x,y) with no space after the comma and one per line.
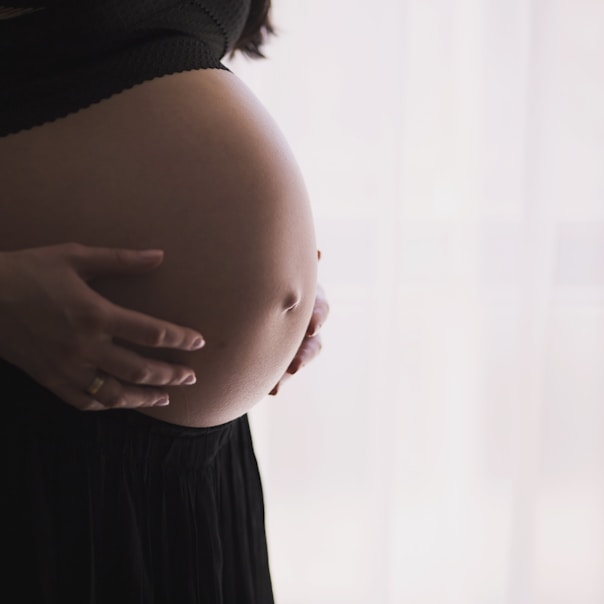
(190,163)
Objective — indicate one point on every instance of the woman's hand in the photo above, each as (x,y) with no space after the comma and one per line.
(311,345)
(61,332)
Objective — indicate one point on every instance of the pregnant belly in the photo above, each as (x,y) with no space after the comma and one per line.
(190,163)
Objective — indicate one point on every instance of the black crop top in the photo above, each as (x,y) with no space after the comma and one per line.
(64,55)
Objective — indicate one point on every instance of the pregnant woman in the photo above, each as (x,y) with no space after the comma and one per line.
(121,128)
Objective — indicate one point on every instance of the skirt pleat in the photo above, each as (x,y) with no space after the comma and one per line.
(114,506)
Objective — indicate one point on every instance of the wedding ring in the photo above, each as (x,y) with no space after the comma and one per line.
(95,386)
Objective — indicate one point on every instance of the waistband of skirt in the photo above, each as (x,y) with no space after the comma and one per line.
(35,413)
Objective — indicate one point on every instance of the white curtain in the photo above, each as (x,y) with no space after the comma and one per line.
(447,446)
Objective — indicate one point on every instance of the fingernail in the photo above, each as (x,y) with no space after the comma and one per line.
(198,343)
(190,379)
(293,368)
(162,402)
(314,331)
(151,254)
(274,391)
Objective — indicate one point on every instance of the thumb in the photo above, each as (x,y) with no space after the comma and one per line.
(98,261)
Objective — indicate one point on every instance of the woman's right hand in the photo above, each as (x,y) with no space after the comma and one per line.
(61,332)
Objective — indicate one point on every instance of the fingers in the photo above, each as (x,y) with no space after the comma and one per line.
(128,325)
(129,367)
(309,349)
(138,328)
(111,395)
(92,261)
(61,332)
(121,379)
(311,345)
(320,313)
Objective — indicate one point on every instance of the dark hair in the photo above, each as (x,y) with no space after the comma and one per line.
(256,31)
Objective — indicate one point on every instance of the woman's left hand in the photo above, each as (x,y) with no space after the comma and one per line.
(311,345)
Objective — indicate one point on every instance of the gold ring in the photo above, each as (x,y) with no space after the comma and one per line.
(95,386)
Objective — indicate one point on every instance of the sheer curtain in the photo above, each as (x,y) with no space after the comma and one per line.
(447,446)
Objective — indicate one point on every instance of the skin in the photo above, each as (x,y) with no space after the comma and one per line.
(35,334)
(191,164)
(311,344)
(60,332)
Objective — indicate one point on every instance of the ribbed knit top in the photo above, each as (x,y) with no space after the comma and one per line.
(64,55)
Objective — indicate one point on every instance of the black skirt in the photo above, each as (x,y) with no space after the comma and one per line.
(113,506)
